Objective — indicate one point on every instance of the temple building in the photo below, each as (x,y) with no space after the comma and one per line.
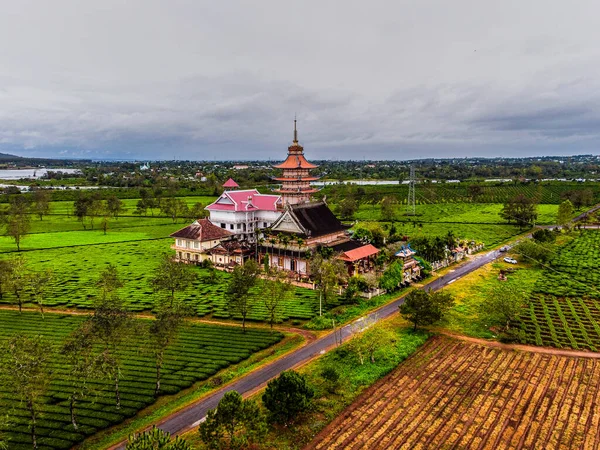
(295,179)
(245,212)
(283,229)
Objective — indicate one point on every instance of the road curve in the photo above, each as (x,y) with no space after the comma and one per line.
(191,416)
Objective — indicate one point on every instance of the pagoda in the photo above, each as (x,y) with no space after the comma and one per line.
(295,179)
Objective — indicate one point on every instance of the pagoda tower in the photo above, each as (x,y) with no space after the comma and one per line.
(295,179)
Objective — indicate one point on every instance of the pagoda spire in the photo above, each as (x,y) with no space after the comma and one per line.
(295,132)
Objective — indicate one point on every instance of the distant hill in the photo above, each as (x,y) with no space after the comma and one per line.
(7,157)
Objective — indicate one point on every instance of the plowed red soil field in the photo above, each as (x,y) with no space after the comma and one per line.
(455,394)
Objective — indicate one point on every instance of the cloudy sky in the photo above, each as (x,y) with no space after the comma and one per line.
(370,79)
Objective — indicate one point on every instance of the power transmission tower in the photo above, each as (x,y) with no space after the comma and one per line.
(410,204)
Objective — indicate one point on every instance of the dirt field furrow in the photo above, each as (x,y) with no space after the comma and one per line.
(458,394)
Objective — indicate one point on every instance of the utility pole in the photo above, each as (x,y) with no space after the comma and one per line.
(410,204)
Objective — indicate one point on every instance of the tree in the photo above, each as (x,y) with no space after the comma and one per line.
(475,191)
(174,208)
(275,288)
(233,424)
(366,344)
(388,208)
(17,281)
(287,396)
(41,203)
(197,211)
(38,285)
(565,213)
(24,368)
(80,207)
(114,206)
(172,277)
(327,274)
(544,235)
(534,252)
(239,299)
(348,207)
(17,219)
(163,331)
(392,277)
(503,306)
(6,269)
(331,377)
(82,366)
(110,325)
(424,308)
(521,210)
(156,439)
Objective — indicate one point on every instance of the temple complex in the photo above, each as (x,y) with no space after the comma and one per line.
(295,179)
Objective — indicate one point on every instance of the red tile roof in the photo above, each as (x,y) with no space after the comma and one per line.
(202,230)
(230,184)
(247,200)
(359,253)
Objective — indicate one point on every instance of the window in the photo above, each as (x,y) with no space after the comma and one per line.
(265,224)
(231,226)
(239,226)
(196,244)
(223,225)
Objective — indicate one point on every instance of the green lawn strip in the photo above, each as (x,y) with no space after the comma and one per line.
(355,378)
(490,234)
(346,313)
(56,223)
(474,213)
(168,405)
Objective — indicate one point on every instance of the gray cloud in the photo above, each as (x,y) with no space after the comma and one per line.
(205,80)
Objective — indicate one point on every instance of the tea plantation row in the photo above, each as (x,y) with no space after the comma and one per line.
(199,352)
(564,309)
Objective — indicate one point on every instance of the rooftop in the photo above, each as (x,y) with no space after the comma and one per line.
(201,230)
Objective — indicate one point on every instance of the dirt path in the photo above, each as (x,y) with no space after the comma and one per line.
(522,347)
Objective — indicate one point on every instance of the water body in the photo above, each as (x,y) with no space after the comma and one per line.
(19,174)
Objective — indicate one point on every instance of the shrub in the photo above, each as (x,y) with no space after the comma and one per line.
(287,396)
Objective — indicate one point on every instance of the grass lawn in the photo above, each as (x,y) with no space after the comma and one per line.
(472,290)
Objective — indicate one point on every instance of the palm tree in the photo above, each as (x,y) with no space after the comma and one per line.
(300,243)
(285,240)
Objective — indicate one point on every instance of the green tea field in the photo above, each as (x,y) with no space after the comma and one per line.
(76,269)
(565,304)
(199,352)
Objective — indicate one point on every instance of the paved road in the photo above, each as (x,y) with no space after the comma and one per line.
(192,415)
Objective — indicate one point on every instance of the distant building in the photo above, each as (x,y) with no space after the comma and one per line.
(230,184)
(240,167)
